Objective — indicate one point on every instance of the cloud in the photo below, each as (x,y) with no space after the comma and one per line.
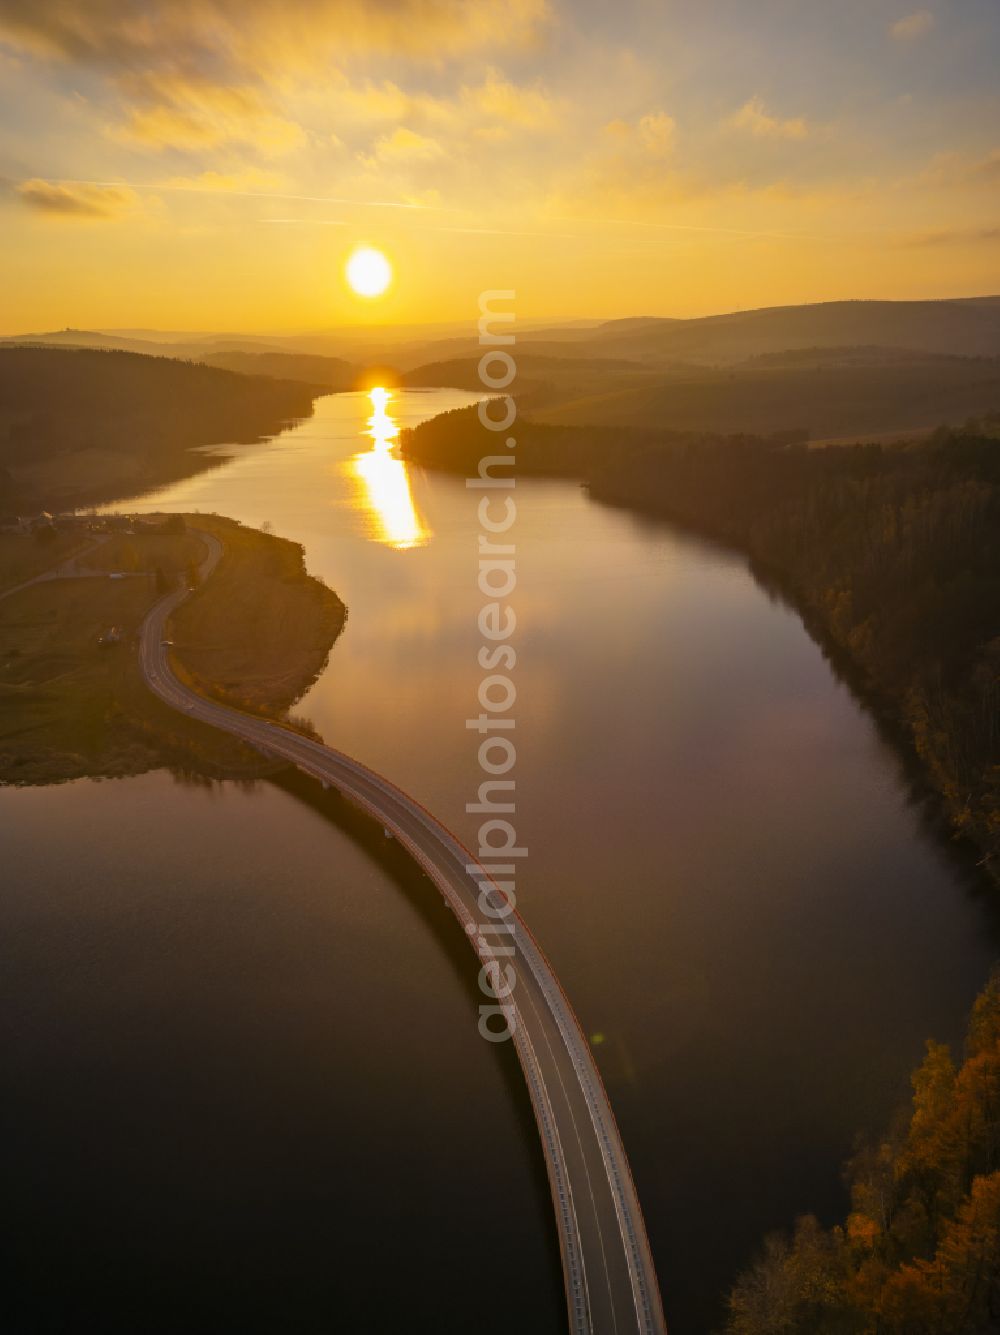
(243,180)
(656,134)
(263,35)
(491,109)
(403,147)
(406,137)
(629,167)
(986,168)
(192,76)
(507,104)
(912,26)
(174,111)
(753,118)
(956,169)
(950,236)
(373,102)
(651,136)
(77,200)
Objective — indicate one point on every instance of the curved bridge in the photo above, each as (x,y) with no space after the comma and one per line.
(611,1286)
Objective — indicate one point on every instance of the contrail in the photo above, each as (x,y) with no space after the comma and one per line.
(703,228)
(409,206)
(306,222)
(464,231)
(502,231)
(253,194)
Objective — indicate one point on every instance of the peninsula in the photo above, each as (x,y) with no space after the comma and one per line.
(73,596)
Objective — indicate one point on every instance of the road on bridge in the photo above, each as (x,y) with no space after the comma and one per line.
(611,1285)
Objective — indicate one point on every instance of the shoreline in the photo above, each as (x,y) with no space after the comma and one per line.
(72,701)
(655,478)
(968,852)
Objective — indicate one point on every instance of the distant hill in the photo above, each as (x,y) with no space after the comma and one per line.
(968,327)
(195,348)
(832,368)
(965,326)
(84,338)
(80,426)
(332,372)
(824,393)
(248,356)
(535,374)
(834,395)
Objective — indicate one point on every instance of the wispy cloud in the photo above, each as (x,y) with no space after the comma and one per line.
(176,111)
(950,236)
(241,180)
(986,168)
(651,136)
(498,100)
(954,169)
(493,108)
(403,146)
(78,200)
(196,187)
(753,118)
(261,35)
(196,75)
(628,166)
(912,26)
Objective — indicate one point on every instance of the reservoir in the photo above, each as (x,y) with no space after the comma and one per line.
(243,1088)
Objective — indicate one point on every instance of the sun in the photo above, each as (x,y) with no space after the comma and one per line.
(368,272)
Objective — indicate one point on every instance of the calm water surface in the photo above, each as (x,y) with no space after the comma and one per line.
(244,1089)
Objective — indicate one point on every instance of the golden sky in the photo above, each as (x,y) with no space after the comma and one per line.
(209,164)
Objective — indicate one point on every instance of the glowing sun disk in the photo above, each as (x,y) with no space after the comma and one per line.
(368,272)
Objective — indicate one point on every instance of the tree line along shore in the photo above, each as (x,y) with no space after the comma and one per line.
(890,552)
(80,426)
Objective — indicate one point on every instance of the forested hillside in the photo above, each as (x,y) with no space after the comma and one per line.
(919,1253)
(966,327)
(891,554)
(893,557)
(824,393)
(331,372)
(83,425)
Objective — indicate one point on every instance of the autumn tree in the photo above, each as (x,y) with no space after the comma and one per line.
(919,1253)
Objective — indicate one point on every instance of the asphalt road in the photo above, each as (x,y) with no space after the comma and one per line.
(611,1285)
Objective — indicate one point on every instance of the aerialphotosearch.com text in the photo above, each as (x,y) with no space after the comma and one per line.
(498,852)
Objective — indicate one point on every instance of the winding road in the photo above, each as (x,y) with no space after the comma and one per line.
(610,1280)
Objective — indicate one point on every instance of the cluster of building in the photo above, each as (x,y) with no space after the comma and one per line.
(25,525)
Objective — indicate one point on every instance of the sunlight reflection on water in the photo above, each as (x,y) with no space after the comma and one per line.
(386,487)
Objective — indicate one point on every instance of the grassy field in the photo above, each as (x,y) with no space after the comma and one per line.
(132,552)
(259,631)
(70,706)
(22,558)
